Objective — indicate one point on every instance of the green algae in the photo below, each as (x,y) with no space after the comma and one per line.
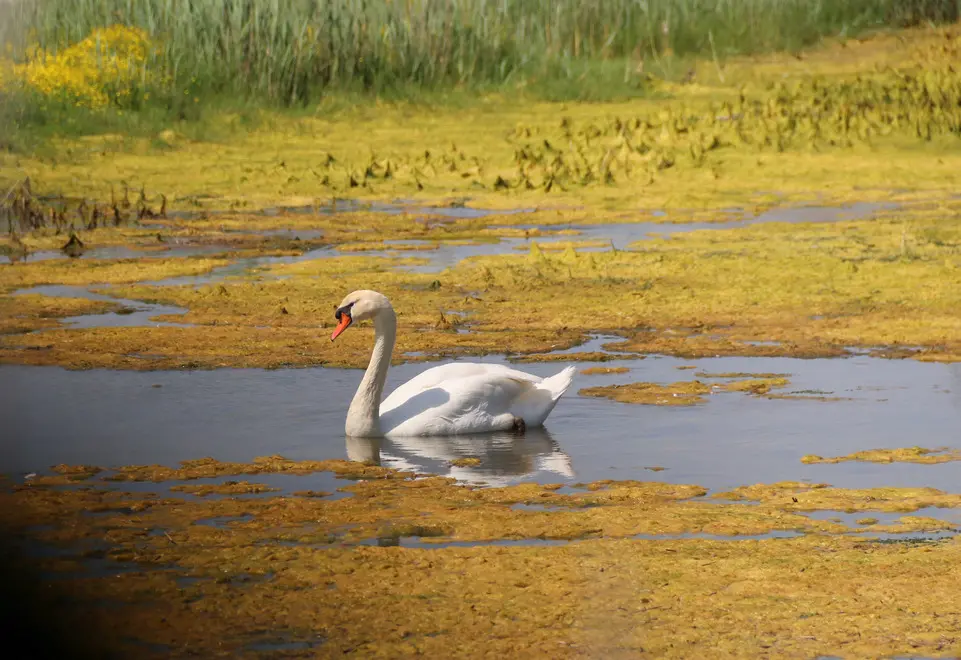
(797,496)
(902,455)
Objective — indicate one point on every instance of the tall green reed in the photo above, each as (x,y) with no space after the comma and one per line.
(290,51)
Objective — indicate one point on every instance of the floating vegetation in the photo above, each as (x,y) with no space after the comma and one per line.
(755,291)
(582,356)
(469,461)
(801,496)
(903,455)
(754,385)
(209,467)
(206,566)
(226,488)
(731,375)
(102,271)
(682,393)
(597,371)
(31,312)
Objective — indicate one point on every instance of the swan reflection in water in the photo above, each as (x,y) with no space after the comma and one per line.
(505,457)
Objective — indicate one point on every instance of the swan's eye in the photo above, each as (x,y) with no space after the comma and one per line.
(343,310)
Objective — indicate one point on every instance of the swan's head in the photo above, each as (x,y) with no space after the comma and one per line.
(359,306)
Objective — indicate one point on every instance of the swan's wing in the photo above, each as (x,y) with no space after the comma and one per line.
(466,404)
(455,371)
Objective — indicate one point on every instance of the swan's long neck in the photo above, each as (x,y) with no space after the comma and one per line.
(363,417)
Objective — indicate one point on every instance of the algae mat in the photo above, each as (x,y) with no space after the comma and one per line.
(889,284)
(215,573)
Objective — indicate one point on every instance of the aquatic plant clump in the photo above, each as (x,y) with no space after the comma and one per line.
(904,455)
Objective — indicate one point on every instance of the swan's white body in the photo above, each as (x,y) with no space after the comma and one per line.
(452,399)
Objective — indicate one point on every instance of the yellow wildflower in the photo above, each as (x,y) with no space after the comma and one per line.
(104,68)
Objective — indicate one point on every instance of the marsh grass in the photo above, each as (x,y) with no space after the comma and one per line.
(294,52)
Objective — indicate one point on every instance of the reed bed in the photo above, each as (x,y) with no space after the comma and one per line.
(293,51)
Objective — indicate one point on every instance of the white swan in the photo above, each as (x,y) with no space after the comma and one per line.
(452,399)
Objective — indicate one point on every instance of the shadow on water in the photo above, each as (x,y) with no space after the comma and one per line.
(35,615)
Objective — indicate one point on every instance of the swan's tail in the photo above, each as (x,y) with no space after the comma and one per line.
(537,403)
(558,383)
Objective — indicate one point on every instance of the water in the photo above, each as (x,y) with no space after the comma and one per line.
(113,418)
(119,252)
(618,235)
(135,313)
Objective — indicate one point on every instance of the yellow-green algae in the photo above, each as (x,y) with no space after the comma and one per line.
(256,577)
(26,313)
(681,393)
(731,375)
(900,455)
(102,271)
(468,461)
(597,371)
(799,496)
(561,246)
(226,488)
(769,290)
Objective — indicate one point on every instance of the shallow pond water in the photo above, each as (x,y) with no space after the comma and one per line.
(113,418)
(118,252)
(618,235)
(446,255)
(134,313)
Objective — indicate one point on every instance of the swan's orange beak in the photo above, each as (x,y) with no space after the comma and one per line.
(345,322)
